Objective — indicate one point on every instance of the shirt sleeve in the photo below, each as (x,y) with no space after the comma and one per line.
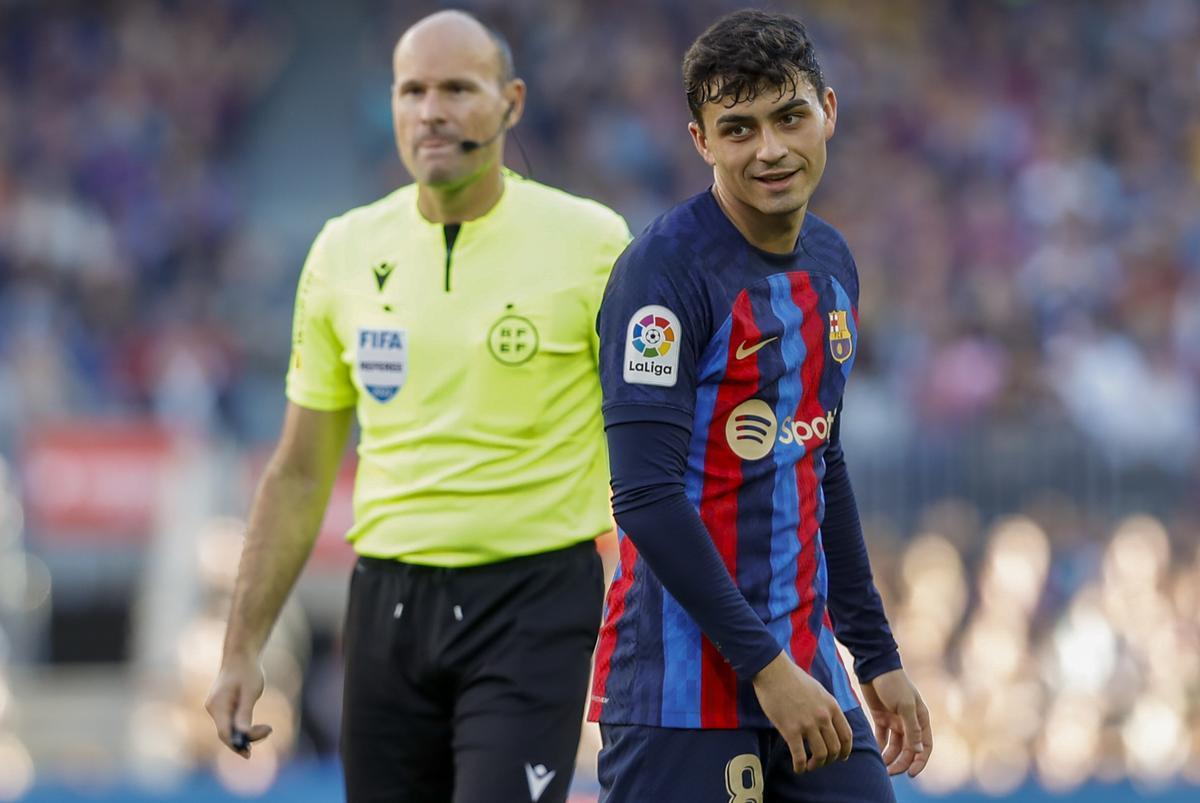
(652,328)
(648,461)
(317,377)
(614,238)
(855,606)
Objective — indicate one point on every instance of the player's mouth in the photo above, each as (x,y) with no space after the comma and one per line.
(776,179)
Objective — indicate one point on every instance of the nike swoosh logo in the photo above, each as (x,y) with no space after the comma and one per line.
(539,778)
(743,352)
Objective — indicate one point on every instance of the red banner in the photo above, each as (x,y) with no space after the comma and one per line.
(95,481)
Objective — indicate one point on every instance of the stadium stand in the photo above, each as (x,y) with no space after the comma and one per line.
(1019,182)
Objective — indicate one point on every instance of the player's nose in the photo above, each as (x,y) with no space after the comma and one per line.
(771,147)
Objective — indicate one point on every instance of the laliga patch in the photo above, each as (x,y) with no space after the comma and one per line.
(383,361)
(652,347)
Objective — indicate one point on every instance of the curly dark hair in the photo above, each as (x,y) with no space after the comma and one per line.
(747,52)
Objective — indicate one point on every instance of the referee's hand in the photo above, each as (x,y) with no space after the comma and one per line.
(231,702)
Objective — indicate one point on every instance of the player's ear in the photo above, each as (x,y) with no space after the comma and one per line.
(700,140)
(829,104)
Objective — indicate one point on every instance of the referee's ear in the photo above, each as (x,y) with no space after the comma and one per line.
(514,99)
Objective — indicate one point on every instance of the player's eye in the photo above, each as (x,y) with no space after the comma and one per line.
(791,118)
(737,131)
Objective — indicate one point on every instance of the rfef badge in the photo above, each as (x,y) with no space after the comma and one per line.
(841,342)
(383,361)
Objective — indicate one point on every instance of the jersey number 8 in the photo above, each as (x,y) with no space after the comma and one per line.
(744,779)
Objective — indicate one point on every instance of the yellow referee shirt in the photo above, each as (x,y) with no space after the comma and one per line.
(472,367)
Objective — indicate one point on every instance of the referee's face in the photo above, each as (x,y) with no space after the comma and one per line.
(768,154)
(448,89)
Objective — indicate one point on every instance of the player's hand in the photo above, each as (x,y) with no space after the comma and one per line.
(901,722)
(231,702)
(804,713)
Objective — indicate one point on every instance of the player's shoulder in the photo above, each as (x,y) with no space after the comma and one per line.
(670,241)
(554,208)
(824,242)
(663,263)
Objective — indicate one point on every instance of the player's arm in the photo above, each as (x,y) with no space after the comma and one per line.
(648,419)
(855,606)
(900,716)
(648,459)
(284,521)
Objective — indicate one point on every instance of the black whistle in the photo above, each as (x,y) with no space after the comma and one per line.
(239,739)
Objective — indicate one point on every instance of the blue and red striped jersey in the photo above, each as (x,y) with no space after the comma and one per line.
(750,351)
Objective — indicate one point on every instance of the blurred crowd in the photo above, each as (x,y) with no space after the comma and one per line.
(1019,181)
(119,224)
(1052,647)
(1020,184)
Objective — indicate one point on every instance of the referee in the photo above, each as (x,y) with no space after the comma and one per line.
(455,319)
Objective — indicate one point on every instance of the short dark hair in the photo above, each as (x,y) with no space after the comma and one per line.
(746,52)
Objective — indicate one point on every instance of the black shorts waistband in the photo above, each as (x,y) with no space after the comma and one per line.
(505,565)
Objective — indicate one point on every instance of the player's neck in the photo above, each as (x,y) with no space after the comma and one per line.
(460,203)
(775,234)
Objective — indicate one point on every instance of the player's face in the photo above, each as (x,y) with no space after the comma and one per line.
(446,90)
(768,154)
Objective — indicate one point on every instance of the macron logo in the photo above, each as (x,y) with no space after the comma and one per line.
(539,778)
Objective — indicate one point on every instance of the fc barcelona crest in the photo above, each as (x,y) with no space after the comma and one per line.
(841,342)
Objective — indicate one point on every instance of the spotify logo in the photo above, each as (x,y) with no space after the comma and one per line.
(750,429)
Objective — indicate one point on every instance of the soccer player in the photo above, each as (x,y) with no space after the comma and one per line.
(456,318)
(728,331)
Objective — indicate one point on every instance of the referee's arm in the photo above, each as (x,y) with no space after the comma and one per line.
(284,521)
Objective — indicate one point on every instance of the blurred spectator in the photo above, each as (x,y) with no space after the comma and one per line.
(1012,176)
(1019,180)
(1008,172)
(117,122)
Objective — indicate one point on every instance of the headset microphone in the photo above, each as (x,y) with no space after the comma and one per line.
(469,145)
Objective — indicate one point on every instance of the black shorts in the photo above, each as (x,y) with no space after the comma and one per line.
(468,685)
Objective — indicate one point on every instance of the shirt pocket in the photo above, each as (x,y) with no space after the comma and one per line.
(532,350)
